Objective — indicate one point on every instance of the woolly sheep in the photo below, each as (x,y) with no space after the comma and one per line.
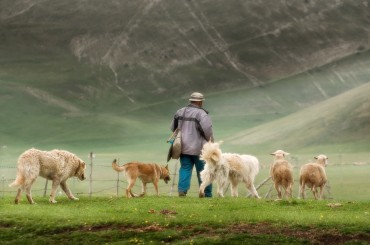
(281,172)
(314,176)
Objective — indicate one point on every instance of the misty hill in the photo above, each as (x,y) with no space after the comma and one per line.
(336,122)
(101,73)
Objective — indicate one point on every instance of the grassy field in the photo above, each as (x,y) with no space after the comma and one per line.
(190,220)
(104,218)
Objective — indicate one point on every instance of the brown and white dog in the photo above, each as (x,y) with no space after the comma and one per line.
(55,165)
(147,172)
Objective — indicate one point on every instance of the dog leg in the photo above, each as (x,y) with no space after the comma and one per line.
(220,188)
(234,189)
(202,187)
(155,183)
(54,187)
(219,193)
(129,193)
(67,191)
(206,180)
(18,196)
(254,192)
(29,195)
(133,194)
(143,189)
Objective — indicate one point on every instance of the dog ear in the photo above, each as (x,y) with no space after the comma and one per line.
(166,167)
(82,165)
(215,157)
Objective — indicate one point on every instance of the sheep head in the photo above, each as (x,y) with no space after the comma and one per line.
(279,154)
(322,159)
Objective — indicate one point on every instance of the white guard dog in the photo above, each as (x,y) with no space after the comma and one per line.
(55,165)
(224,167)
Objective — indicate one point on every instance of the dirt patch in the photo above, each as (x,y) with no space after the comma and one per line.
(313,235)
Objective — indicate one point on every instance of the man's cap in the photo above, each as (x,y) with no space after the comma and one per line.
(196,97)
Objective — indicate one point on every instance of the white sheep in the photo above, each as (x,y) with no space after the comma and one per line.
(281,172)
(314,176)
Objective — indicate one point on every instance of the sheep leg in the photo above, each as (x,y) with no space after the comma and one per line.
(302,194)
(277,187)
(289,191)
(314,191)
(321,192)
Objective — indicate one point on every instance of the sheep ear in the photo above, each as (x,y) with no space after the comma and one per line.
(286,153)
(315,157)
(272,154)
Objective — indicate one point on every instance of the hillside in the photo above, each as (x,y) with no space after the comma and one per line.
(333,125)
(109,74)
(94,50)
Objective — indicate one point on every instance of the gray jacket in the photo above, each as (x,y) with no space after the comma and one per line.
(196,128)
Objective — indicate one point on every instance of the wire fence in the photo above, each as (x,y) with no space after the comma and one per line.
(102,180)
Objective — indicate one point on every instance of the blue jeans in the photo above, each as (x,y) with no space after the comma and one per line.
(187,163)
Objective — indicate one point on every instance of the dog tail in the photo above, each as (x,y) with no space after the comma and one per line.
(19,181)
(116,167)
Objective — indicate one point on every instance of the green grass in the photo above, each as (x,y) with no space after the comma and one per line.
(181,220)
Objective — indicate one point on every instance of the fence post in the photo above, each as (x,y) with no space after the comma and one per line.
(117,180)
(174,178)
(46,187)
(91,171)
